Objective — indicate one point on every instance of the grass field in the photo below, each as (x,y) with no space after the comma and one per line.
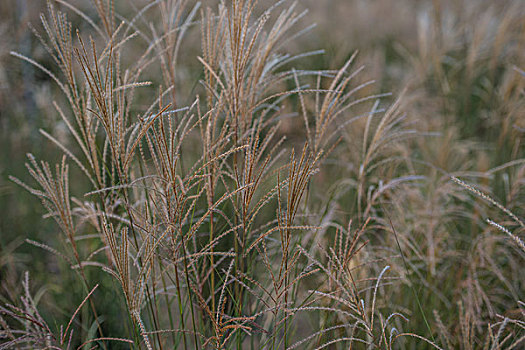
(177,174)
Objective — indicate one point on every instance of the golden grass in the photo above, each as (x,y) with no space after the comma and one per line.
(232,199)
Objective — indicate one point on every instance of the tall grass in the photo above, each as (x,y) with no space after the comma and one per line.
(222,197)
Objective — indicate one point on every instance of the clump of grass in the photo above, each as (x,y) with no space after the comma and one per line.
(232,200)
